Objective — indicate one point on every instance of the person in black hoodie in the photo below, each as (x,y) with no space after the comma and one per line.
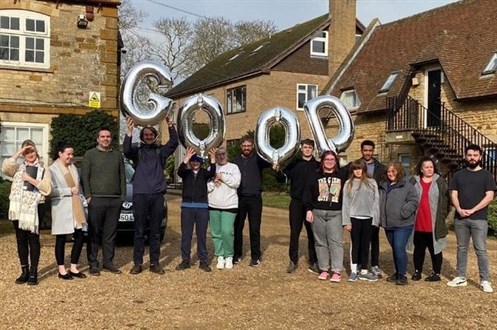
(194,206)
(149,187)
(297,173)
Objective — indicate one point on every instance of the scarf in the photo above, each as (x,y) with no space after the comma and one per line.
(23,203)
(77,207)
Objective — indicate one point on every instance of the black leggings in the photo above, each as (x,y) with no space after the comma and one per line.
(60,242)
(423,240)
(361,238)
(28,243)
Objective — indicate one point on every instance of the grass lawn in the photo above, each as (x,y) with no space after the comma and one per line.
(276,200)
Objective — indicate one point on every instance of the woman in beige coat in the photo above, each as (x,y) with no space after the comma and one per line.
(31,183)
(68,214)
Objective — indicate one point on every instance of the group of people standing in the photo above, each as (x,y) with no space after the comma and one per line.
(325,199)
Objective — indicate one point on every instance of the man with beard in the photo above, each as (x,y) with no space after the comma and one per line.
(298,172)
(149,187)
(249,200)
(472,190)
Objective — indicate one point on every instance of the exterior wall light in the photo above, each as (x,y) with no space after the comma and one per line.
(82,22)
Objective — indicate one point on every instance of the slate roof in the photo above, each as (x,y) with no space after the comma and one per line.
(461,37)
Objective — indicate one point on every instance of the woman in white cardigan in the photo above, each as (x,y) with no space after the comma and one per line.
(68,215)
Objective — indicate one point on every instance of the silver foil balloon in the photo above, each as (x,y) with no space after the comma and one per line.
(342,140)
(217,123)
(292,135)
(155,107)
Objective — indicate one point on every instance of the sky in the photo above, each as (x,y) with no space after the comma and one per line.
(284,13)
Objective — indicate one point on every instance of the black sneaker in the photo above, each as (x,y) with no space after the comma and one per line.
(401,280)
(237,260)
(94,271)
(137,269)
(313,268)
(392,278)
(433,278)
(111,268)
(416,276)
(204,266)
(157,269)
(254,263)
(292,266)
(183,265)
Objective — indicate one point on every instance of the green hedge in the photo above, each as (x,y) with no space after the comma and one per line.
(4,198)
(492,217)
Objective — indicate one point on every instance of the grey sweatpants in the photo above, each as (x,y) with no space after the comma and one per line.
(328,234)
(477,230)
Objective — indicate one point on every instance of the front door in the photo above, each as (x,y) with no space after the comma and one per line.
(434,104)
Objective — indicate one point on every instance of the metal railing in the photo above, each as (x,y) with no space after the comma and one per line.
(448,128)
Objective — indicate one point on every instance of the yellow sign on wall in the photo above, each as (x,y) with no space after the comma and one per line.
(94,100)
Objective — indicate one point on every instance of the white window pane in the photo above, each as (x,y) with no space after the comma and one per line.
(30,25)
(9,148)
(37,136)
(311,92)
(40,26)
(301,100)
(4,22)
(14,23)
(302,87)
(22,134)
(8,134)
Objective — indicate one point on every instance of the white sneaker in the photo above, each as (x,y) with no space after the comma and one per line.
(458,281)
(485,286)
(220,263)
(228,263)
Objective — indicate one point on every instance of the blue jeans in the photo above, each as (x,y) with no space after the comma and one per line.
(477,230)
(398,237)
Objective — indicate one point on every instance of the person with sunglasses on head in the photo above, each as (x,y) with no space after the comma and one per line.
(323,204)
(30,185)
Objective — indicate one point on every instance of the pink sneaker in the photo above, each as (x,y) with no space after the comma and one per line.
(323,276)
(336,277)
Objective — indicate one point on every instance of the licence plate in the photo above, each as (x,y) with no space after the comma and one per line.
(126,217)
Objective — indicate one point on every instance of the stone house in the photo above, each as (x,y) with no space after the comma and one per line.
(425,85)
(286,69)
(56,56)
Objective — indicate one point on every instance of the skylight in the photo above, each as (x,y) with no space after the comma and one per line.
(388,84)
(491,66)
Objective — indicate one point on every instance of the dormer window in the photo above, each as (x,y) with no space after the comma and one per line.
(491,66)
(388,84)
(305,92)
(350,99)
(319,44)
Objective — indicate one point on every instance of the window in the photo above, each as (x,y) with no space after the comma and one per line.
(350,99)
(319,44)
(13,134)
(24,39)
(237,99)
(386,86)
(405,160)
(491,66)
(305,93)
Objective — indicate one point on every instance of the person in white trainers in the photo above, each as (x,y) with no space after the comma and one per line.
(472,189)
(223,206)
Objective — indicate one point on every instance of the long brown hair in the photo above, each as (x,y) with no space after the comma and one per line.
(364,179)
(323,156)
(399,168)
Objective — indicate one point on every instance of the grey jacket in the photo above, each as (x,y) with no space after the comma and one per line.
(398,207)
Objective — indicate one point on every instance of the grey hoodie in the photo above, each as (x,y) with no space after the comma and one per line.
(398,206)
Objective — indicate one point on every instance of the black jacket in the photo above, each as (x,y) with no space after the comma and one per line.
(195,186)
(298,173)
(251,171)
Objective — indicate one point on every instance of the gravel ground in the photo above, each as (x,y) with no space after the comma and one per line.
(250,298)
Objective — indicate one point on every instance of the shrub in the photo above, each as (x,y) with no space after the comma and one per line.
(4,198)
(492,217)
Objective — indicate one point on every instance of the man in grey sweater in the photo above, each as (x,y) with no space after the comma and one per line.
(104,187)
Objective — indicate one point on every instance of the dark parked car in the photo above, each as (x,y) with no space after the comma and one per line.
(125,226)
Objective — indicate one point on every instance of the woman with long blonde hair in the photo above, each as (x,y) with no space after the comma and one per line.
(361,208)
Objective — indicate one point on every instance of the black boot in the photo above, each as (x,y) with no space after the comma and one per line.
(23,278)
(33,276)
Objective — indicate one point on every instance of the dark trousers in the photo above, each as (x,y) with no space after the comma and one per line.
(28,243)
(361,238)
(375,248)
(103,215)
(147,210)
(398,237)
(60,244)
(297,220)
(199,218)
(251,206)
(423,240)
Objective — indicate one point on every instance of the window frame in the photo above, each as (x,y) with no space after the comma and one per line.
(25,36)
(389,82)
(322,39)
(491,67)
(306,93)
(345,94)
(230,102)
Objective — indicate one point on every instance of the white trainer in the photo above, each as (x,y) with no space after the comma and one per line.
(458,281)
(220,263)
(485,286)
(228,263)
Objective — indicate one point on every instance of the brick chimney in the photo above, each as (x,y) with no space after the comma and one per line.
(341,34)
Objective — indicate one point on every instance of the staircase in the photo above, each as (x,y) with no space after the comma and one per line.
(447,140)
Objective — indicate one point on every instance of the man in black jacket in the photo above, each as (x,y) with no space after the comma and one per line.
(298,172)
(249,200)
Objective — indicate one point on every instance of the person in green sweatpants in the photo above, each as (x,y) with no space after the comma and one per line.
(223,206)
